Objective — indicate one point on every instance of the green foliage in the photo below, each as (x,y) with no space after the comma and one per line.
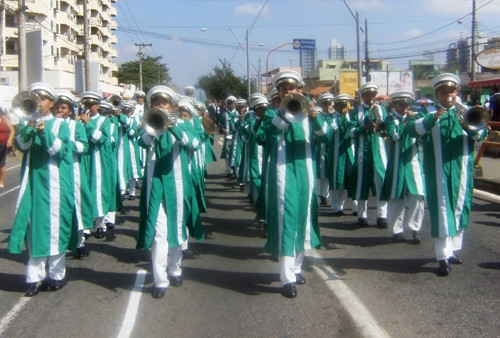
(221,82)
(153,72)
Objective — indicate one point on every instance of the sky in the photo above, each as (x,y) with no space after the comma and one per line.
(193,35)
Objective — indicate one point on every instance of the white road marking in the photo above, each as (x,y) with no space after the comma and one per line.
(9,317)
(133,305)
(485,194)
(11,190)
(13,167)
(360,315)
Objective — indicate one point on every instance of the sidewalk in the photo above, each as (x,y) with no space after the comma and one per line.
(487,174)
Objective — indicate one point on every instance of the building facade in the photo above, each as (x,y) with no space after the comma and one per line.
(55,33)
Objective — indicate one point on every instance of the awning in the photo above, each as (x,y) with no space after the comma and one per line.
(320,90)
(483,83)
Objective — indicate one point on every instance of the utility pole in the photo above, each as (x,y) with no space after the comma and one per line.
(2,26)
(367,58)
(86,44)
(140,54)
(22,57)
(473,44)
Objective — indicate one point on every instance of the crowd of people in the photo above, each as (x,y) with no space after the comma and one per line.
(83,157)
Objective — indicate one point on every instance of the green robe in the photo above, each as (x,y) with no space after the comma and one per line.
(45,204)
(448,161)
(102,172)
(404,173)
(290,183)
(340,154)
(167,178)
(370,154)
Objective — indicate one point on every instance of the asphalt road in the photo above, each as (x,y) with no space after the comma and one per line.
(360,283)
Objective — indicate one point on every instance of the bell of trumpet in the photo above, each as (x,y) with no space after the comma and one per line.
(116,101)
(156,121)
(473,119)
(295,108)
(25,105)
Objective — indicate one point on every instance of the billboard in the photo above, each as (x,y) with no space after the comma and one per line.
(390,82)
(348,83)
(489,58)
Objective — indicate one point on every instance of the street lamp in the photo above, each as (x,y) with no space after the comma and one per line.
(358,39)
(267,63)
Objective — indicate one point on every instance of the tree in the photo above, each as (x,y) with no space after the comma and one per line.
(153,72)
(221,82)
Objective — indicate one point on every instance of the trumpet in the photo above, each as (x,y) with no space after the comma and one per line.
(472,119)
(157,121)
(376,117)
(25,105)
(295,108)
(116,101)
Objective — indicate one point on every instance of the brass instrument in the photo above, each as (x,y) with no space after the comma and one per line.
(25,105)
(116,101)
(375,115)
(157,121)
(473,119)
(295,108)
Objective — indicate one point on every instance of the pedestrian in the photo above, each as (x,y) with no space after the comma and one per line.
(44,208)
(290,141)
(404,179)
(6,139)
(448,161)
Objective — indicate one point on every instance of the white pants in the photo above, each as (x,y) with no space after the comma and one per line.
(289,266)
(166,261)
(363,209)
(414,213)
(338,198)
(100,223)
(445,247)
(35,271)
(81,239)
(323,187)
(110,217)
(131,187)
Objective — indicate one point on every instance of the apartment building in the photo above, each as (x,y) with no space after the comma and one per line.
(55,43)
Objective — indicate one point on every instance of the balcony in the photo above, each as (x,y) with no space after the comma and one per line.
(37,7)
(113,11)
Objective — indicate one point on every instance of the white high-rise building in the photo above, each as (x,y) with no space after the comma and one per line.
(337,51)
(55,35)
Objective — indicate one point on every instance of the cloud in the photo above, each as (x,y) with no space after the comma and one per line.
(454,7)
(250,8)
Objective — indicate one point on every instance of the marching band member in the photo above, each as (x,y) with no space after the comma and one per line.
(291,201)
(44,208)
(341,156)
(274,98)
(101,174)
(325,101)
(448,161)
(237,144)
(129,151)
(140,107)
(167,192)
(226,121)
(255,155)
(83,218)
(371,158)
(404,178)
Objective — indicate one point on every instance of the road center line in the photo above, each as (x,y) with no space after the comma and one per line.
(133,305)
(360,315)
(9,317)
